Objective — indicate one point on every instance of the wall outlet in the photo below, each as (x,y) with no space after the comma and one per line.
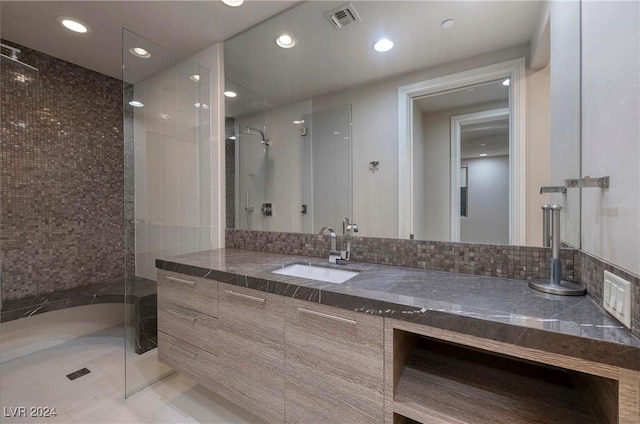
(616,298)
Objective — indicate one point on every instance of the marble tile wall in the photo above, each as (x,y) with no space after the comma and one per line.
(61,163)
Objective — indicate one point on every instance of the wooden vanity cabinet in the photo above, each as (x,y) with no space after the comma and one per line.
(334,365)
(194,293)
(439,376)
(289,360)
(251,336)
(188,329)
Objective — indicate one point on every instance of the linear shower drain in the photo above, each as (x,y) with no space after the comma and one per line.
(78,374)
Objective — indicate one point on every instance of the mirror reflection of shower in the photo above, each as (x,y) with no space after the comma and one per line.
(248,158)
(250,145)
(250,130)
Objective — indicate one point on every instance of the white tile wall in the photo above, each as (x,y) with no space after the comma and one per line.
(172,166)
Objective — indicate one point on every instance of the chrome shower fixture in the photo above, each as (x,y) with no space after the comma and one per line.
(255,131)
(14,56)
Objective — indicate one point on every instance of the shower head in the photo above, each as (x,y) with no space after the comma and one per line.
(14,56)
(255,131)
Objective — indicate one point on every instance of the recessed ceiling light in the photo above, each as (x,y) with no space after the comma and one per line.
(285,41)
(230,94)
(506,82)
(201,105)
(482,155)
(448,23)
(298,122)
(233,3)
(140,52)
(195,77)
(233,137)
(136,103)
(383,45)
(73,24)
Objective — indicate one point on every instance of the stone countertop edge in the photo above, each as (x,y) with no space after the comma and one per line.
(624,354)
(79,296)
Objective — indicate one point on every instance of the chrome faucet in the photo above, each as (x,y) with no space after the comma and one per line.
(334,254)
(348,228)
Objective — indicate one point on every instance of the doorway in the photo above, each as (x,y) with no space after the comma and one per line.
(480,177)
(415,207)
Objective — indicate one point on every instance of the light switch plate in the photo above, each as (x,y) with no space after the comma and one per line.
(616,298)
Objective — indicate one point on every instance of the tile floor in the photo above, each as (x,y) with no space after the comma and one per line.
(39,380)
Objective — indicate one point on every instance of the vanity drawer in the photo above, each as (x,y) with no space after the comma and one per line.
(193,327)
(252,317)
(252,350)
(195,293)
(334,364)
(196,363)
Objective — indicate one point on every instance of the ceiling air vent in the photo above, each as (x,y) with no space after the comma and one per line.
(343,15)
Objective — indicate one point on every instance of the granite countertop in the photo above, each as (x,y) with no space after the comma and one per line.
(494,308)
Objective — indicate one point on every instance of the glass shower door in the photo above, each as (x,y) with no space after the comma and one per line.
(168,166)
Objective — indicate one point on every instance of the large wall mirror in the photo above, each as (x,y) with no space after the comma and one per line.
(448,135)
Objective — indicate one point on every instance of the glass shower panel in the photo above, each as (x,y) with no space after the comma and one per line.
(326,165)
(168,159)
(246,154)
(252,171)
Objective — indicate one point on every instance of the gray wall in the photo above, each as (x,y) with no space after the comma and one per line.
(488,204)
(611,131)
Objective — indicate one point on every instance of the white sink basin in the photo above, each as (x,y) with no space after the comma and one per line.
(328,275)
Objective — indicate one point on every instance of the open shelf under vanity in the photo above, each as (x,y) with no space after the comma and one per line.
(440,382)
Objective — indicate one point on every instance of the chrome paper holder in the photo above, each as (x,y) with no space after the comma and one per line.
(601,182)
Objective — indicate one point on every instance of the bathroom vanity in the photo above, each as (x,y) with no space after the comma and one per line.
(391,344)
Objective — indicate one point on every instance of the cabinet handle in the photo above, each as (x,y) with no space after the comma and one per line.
(323,315)
(245,296)
(182,315)
(180,280)
(193,355)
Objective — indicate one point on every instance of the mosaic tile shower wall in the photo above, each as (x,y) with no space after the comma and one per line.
(61,160)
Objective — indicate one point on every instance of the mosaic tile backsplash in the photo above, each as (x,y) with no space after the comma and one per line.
(591,271)
(517,262)
(61,161)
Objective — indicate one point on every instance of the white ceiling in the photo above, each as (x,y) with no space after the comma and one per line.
(184,27)
(490,138)
(481,93)
(324,59)
(327,60)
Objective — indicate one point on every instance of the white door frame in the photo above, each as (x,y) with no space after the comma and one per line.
(456,123)
(512,69)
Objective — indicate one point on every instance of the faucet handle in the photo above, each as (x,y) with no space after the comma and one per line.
(334,256)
